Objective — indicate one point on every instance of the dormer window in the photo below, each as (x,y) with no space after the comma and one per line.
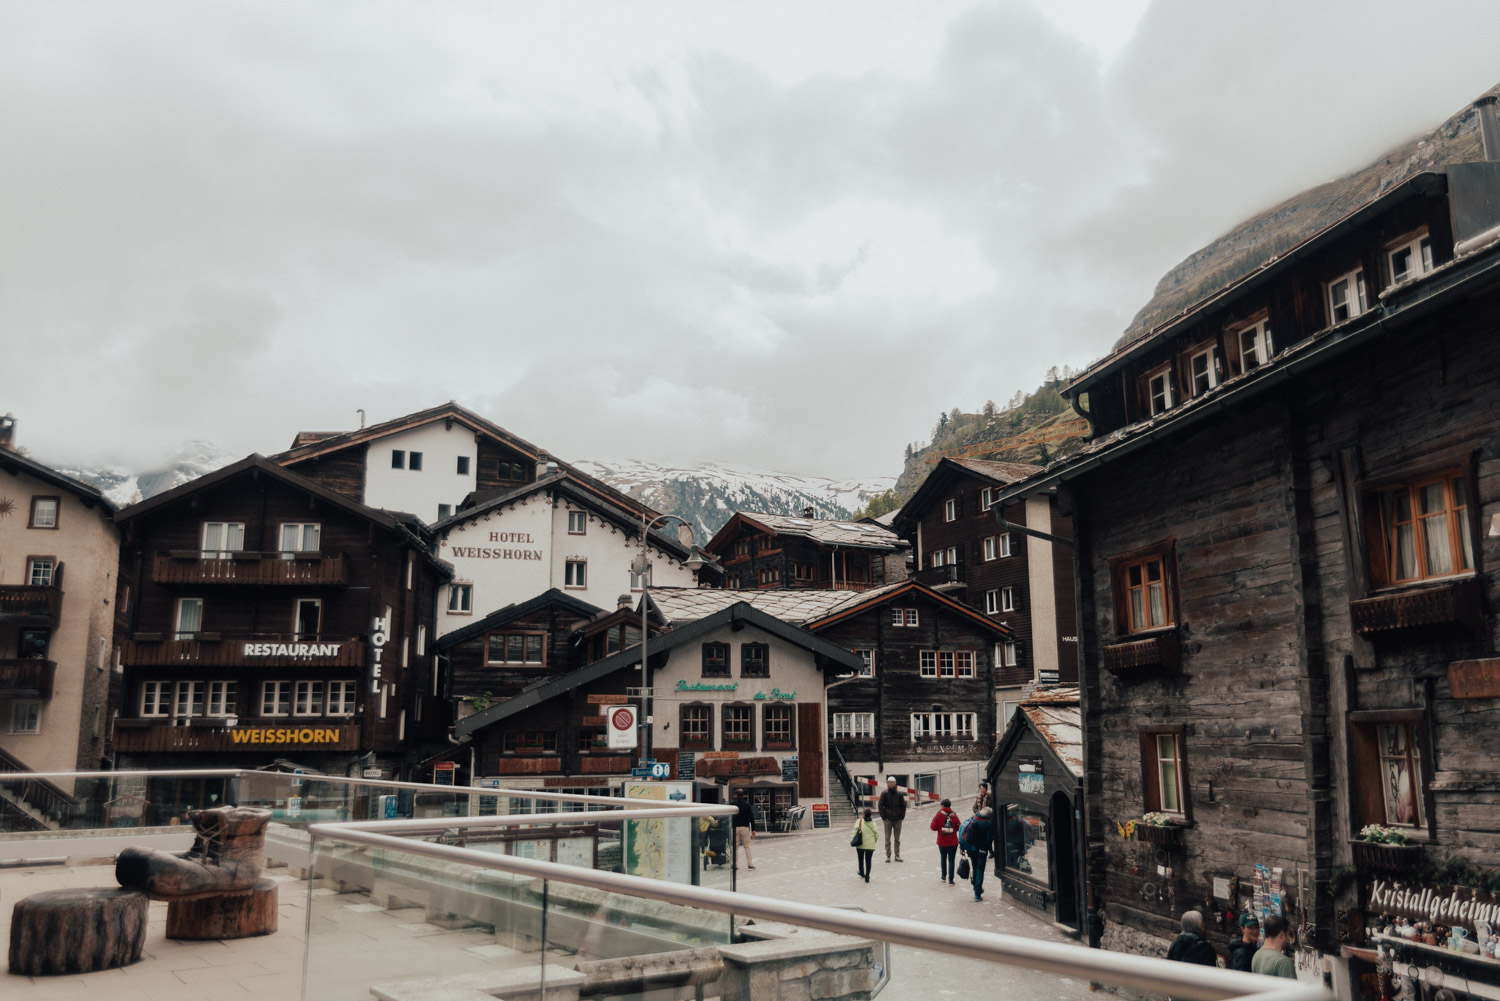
(1410,258)
(1256,346)
(1204,369)
(1159,391)
(1346,297)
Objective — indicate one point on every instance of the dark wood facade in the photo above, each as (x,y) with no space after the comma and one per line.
(774,551)
(213,606)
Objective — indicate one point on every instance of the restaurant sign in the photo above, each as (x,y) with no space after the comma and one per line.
(301,651)
(1459,906)
(738,767)
(707,686)
(776,694)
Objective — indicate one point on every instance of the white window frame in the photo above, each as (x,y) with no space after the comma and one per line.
(229,544)
(223,697)
(991,548)
(986,498)
(578,523)
(156,699)
(576,574)
(44,512)
(927,664)
(1006,654)
(303,533)
(460,599)
(992,601)
(1419,246)
(1255,344)
(853,726)
(340,700)
(177,620)
(26,716)
(1356,303)
(1006,549)
(912,619)
(421,641)
(904,618)
(953,726)
(275,698)
(40,571)
(307,698)
(1007,599)
(1160,403)
(186,695)
(868,670)
(950,509)
(1204,376)
(945,663)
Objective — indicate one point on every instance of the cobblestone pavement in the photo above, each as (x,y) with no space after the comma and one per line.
(819,868)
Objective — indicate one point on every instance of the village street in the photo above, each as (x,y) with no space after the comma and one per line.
(818,867)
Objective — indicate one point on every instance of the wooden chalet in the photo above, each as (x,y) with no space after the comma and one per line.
(759,551)
(1289,577)
(269,617)
(1014,573)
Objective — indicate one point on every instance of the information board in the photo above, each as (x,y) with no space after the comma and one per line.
(687,769)
(820,815)
(789,769)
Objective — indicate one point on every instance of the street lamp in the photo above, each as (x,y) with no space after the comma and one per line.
(641,567)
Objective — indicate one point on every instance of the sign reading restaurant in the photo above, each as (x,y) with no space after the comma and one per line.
(301,651)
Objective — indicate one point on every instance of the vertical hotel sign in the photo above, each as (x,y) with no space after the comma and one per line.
(380,634)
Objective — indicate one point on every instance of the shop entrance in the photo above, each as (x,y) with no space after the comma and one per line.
(1061,855)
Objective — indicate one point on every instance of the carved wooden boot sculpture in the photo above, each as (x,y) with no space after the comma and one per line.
(215,890)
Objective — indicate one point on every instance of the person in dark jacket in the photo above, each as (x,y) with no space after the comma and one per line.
(1242,949)
(1191,946)
(945,822)
(892,810)
(981,835)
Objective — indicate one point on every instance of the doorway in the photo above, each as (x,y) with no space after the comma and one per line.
(1064,858)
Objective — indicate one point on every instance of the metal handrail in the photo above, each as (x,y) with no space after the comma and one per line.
(1144,973)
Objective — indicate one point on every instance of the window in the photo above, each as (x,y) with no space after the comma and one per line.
(187,699)
(963,661)
(769,575)
(1424,530)
(1346,297)
(1006,654)
(1159,391)
(275,698)
(1411,258)
(1007,599)
(309,699)
(1387,772)
(463,465)
(1204,370)
(156,698)
(1256,345)
(189,618)
(39,571)
(421,640)
(945,664)
(301,537)
(903,616)
(755,660)
(991,549)
(515,648)
(778,725)
(742,547)
(854,725)
(223,698)
(513,471)
(414,461)
(578,522)
(307,618)
(398,458)
(1005,549)
(33,643)
(950,509)
(1164,771)
(802,572)
(576,573)
(765,543)
(992,601)
(444,511)
(927,664)
(640,581)
(44,512)
(534,741)
(222,538)
(341,698)
(716,660)
(986,498)
(697,723)
(868,656)
(942,726)
(739,725)
(1146,599)
(26,717)
(460,599)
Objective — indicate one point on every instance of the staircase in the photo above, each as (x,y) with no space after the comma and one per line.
(31,804)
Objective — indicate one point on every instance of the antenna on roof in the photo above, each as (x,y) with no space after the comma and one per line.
(361,412)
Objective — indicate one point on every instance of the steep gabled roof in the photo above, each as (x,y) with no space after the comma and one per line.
(736,614)
(903,591)
(520,610)
(1054,715)
(938,482)
(14,462)
(825,533)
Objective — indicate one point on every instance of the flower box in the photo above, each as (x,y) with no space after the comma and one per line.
(1158,654)
(1425,605)
(1160,835)
(1385,857)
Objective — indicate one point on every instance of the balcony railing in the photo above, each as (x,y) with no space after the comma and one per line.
(26,679)
(27,603)
(259,735)
(949,575)
(1157,653)
(1424,605)
(254,650)
(193,567)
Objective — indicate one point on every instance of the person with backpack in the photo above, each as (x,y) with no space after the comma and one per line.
(975,837)
(945,822)
(863,840)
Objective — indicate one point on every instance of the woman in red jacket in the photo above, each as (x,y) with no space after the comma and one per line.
(945,822)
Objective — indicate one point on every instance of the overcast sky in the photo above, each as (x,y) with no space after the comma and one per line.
(778,234)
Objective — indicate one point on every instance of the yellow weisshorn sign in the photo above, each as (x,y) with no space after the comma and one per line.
(287,735)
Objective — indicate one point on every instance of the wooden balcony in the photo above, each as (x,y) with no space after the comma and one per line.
(1155,654)
(28,604)
(214,650)
(1452,601)
(26,679)
(301,569)
(261,735)
(944,578)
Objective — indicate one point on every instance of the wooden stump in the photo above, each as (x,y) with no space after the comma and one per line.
(225,915)
(77,931)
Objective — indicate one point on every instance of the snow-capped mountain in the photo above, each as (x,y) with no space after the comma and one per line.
(123,487)
(706,494)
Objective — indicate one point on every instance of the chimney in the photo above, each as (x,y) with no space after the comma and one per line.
(624,601)
(807,512)
(1489,127)
(8,432)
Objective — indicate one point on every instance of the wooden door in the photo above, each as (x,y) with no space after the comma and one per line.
(811,770)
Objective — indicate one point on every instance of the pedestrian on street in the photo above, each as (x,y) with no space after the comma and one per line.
(982,798)
(1242,949)
(744,826)
(945,822)
(892,810)
(1190,946)
(975,837)
(1270,960)
(864,851)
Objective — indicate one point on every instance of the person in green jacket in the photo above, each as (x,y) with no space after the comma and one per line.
(864,850)
(1269,959)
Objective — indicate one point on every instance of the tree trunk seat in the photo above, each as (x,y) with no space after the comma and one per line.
(77,931)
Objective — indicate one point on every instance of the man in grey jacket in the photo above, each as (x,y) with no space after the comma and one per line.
(892,810)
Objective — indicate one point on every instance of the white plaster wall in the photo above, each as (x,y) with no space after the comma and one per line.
(1043,595)
(437,482)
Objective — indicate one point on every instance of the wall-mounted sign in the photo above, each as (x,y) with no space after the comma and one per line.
(738,767)
(1475,679)
(607,700)
(707,686)
(1030,777)
(490,553)
(686,766)
(380,634)
(297,650)
(776,693)
(1459,906)
(789,769)
(287,735)
(621,729)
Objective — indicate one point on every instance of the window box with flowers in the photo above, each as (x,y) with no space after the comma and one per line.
(1159,829)
(1385,849)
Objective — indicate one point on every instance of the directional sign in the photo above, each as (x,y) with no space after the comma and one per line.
(640,773)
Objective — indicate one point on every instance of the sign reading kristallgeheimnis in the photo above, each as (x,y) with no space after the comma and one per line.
(620,725)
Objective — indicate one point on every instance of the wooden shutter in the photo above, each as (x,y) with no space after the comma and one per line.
(811,769)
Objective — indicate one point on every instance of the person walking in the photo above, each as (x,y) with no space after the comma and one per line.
(982,798)
(865,838)
(892,806)
(975,838)
(1242,949)
(744,826)
(945,822)
(1270,960)
(1190,946)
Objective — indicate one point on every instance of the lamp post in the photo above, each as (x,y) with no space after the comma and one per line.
(642,568)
